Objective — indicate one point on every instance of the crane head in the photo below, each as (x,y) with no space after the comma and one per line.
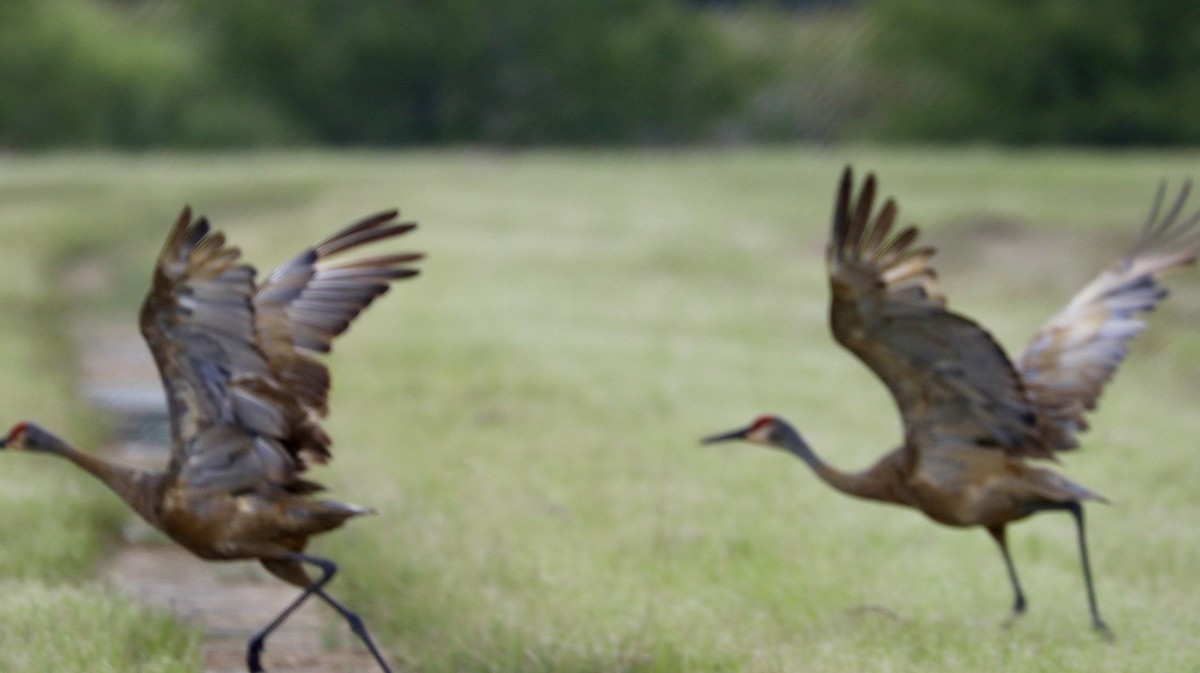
(22,437)
(764,430)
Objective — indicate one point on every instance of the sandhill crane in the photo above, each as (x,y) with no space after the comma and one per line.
(971,417)
(245,396)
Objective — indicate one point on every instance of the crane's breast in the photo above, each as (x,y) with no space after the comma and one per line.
(968,486)
(201,523)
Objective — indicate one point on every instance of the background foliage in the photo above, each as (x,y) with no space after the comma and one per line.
(187,72)
(224,73)
(495,70)
(1023,71)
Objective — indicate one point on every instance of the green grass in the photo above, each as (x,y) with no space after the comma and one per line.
(84,628)
(525,415)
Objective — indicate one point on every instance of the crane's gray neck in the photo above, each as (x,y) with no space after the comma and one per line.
(139,488)
(858,484)
(793,443)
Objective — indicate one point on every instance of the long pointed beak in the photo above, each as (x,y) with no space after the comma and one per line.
(740,433)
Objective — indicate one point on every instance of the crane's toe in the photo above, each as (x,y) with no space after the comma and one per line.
(252,656)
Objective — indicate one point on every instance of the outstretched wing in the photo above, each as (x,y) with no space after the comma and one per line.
(1068,362)
(227,413)
(236,420)
(310,300)
(951,381)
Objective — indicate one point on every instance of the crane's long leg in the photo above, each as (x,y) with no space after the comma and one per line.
(1076,511)
(357,626)
(328,570)
(998,534)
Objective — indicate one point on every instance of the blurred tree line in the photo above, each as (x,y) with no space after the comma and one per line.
(1112,72)
(232,72)
(225,73)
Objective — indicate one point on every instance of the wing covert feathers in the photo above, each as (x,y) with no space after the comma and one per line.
(1068,362)
(245,393)
(950,380)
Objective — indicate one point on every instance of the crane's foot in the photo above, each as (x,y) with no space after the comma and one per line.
(1018,610)
(1104,632)
(252,656)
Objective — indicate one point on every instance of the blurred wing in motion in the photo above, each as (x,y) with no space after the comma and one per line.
(951,381)
(1068,362)
(242,393)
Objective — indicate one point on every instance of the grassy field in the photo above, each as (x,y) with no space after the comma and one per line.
(525,416)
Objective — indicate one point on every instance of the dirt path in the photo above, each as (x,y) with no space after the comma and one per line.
(227,601)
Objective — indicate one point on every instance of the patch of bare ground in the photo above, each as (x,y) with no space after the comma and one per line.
(228,602)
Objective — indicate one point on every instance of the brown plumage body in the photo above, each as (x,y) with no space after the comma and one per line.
(972,418)
(245,396)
